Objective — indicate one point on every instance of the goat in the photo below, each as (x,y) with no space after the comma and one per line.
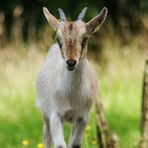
(66,83)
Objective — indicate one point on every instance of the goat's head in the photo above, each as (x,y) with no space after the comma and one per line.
(72,37)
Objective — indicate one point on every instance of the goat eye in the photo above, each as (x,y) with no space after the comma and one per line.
(59,43)
(84,42)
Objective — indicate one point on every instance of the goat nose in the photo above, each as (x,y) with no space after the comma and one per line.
(71,63)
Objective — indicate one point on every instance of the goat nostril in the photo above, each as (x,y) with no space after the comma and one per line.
(71,63)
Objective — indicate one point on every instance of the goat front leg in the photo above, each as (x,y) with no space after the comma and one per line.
(78,132)
(47,133)
(57,131)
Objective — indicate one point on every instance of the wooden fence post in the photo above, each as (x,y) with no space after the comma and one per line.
(144,109)
(104,136)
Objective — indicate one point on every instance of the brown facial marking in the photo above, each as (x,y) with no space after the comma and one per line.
(70,27)
(71,43)
(71,51)
(70,37)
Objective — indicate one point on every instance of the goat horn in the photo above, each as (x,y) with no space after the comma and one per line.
(62,15)
(82,14)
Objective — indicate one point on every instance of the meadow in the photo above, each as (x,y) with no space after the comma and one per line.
(119,78)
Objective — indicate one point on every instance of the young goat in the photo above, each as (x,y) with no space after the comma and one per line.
(66,84)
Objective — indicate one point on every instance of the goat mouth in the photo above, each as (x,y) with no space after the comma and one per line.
(70,68)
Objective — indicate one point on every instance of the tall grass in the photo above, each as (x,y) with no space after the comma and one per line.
(120,82)
(121,88)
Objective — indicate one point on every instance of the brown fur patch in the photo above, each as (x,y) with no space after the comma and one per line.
(71,53)
(70,27)
(70,32)
(71,50)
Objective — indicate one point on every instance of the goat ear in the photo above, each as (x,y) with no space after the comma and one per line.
(50,18)
(94,24)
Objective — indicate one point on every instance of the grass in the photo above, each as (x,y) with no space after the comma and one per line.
(120,81)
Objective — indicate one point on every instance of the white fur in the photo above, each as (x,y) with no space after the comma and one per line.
(64,95)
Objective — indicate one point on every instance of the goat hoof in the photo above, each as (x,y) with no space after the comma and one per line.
(76,146)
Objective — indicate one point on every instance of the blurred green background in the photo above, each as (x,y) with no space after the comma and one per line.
(117,53)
